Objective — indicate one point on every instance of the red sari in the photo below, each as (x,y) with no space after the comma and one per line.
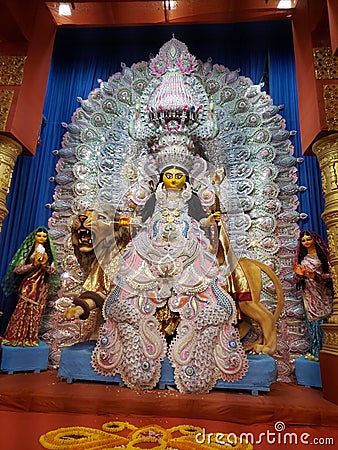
(23,327)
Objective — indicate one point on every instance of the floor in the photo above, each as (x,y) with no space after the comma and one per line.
(32,404)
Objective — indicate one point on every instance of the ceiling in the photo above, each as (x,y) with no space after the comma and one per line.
(18,18)
(147,12)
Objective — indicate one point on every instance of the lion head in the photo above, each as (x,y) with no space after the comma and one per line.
(96,237)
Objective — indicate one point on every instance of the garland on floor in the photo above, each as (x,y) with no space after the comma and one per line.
(123,435)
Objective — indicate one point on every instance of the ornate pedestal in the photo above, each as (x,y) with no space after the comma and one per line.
(75,365)
(24,359)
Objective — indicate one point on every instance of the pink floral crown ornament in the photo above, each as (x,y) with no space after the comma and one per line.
(174,103)
(172,107)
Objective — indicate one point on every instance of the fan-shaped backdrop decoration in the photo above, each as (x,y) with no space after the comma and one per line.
(105,149)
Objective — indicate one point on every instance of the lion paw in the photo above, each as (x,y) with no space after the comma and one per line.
(73,312)
(263,349)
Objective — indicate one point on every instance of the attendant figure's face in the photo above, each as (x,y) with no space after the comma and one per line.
(307,241)
(41,237)
(174,178)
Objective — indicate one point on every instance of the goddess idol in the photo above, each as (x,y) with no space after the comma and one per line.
(169,270)
(192,165)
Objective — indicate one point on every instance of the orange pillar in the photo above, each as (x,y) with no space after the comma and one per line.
(24,66)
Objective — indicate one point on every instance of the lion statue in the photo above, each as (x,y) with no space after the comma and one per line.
(245,284)
(253,310)
(97,243)
(76,314)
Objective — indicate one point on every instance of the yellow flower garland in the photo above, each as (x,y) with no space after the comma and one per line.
(117,426)
(123,435)
(133,445)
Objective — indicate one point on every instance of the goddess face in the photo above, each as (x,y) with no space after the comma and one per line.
(174,178)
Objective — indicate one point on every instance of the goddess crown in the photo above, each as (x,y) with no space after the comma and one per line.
(174,111)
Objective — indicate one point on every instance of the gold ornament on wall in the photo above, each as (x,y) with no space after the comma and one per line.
(330,94)
(11,70)
(9,151)
(326,64)
(6,98)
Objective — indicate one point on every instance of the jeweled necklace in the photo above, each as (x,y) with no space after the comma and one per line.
(172,206)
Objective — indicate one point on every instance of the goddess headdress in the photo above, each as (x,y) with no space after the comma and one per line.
(174,111)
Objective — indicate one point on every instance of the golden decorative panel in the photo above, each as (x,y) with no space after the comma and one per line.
(330,93)
(6,98)
(11,70)
(9,151)
(326,64)
(331,338)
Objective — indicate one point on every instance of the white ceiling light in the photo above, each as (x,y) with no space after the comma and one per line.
(170,4)
(285,4)
(64,9)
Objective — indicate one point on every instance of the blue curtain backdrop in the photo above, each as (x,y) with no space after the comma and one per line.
(283,90)
(262,51)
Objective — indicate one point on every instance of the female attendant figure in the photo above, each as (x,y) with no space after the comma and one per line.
(28,275)
(170,269)
(313,276)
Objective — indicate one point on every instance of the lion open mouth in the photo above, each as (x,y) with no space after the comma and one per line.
(85,236)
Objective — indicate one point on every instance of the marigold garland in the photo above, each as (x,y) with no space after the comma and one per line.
(81,438)
(117,426)
(123,435)
(186,429)
(133,445)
